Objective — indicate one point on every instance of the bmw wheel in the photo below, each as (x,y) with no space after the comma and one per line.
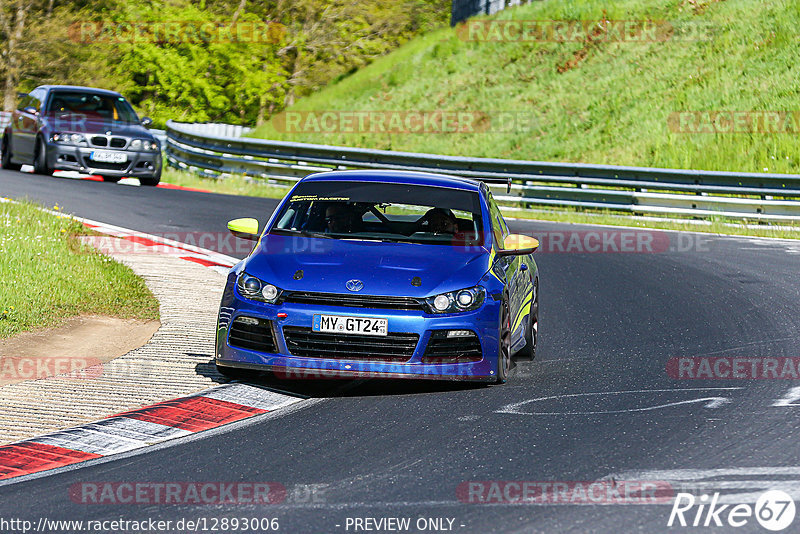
(152,181)
(6,157)
(40,159)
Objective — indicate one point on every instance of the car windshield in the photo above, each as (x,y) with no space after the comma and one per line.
(93,106)
(383,212)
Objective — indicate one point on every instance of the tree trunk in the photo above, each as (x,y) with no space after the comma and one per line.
(12,64)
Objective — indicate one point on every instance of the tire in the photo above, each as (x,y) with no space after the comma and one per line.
(40,159)
(234,373)
(504,345)
(6,157)
(151,182)
(532,332)
(111,179)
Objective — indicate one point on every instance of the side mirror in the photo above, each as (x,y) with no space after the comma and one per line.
(244,228)
(147,122)
(31,110)
(518,245)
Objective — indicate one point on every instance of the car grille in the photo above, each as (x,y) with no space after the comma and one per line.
(103,141)
(394,347)
(443,349)
(252,333)
(354,301)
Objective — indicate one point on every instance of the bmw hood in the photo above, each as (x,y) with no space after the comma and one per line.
(89,126)
(384,268)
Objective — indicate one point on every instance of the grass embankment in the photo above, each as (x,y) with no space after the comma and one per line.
(47,275)
(596,100)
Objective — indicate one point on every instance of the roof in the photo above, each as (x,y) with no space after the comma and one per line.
(396,177)
(79,88)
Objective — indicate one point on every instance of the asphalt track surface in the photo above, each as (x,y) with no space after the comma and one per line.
(609,324)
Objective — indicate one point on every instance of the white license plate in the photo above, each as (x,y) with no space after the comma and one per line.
(342,324)
(108,156)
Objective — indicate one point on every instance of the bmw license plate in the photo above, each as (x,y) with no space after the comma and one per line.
(342,324)
(108,156)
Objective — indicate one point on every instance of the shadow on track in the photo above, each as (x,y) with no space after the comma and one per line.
(342,387)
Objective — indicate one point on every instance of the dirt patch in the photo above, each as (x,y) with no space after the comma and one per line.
(78,343)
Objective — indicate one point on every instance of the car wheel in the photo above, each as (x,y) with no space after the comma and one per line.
(532,332)
(152,181)
(40,159)
(5,161)
(111,179)
(504,352)
(234,373)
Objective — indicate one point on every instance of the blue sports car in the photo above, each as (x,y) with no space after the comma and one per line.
(380,274)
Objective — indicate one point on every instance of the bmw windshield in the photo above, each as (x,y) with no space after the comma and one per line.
(93,106)
(383,212)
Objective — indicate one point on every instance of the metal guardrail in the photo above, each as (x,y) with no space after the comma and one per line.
(638,190)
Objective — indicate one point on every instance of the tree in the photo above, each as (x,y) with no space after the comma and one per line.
(13,15)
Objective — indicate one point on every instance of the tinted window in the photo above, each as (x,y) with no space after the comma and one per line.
(92,106)
(383,212)
(24,102)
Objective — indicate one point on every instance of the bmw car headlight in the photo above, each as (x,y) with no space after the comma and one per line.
(64,138)
(255,289)
(457,301)
(143,144)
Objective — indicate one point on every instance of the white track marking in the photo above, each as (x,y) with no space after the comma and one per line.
(790,399)
(712,402)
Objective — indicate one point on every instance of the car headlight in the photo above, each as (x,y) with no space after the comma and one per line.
(143,144)
(64,138)
(457,301)
(254,289)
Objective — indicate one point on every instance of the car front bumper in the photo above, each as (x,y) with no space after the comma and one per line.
(483,322)
(146,164)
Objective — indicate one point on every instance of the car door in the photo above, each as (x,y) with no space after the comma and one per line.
(25,124)
(515,271)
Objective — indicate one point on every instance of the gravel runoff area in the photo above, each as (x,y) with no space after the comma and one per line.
(177,361)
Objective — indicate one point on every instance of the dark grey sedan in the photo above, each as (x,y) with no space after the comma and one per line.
(83,129)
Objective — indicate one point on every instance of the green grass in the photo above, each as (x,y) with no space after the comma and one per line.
(612,106)
(49,276)
(234,185)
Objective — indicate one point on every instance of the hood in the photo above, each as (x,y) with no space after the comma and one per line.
(385,268)
(86,125)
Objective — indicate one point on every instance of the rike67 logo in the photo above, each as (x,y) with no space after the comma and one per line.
(774,510)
